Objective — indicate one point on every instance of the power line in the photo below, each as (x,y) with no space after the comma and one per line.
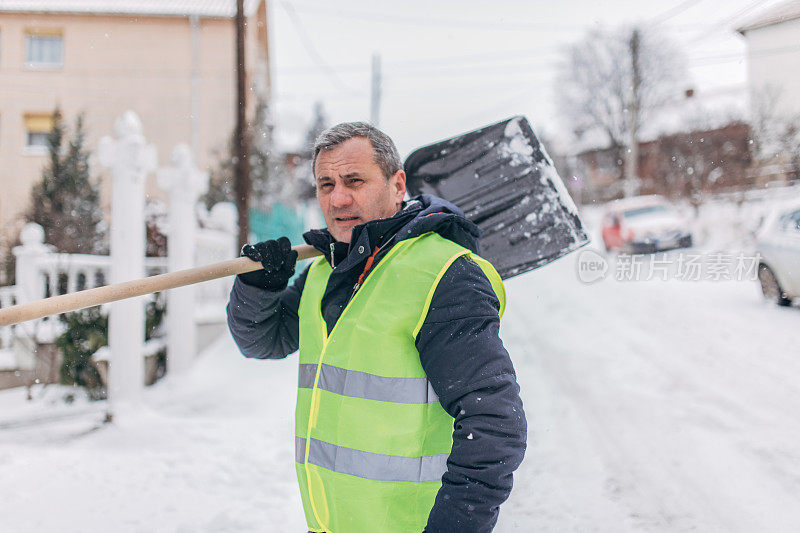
(525,94)
(669,13)
(302,97)
(726,22)
(433,62)
(431,86)
(312,51)
(433,71)
(399,19)
(764,52)
(437,22)
(446,62)
(430,68)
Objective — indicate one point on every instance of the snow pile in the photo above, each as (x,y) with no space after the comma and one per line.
(728,224)
(516,148)
(8,361)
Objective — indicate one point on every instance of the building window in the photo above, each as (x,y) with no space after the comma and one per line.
(37,127)
(44,49)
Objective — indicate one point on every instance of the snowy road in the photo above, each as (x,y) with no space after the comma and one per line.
(653,406)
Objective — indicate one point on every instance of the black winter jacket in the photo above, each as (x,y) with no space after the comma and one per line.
(459,348)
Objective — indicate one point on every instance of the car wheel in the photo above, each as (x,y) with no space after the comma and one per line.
(770,286)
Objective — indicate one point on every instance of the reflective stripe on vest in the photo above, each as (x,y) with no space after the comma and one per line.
(368,386)
(375,466)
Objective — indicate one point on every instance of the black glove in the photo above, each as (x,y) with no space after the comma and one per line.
(278,260)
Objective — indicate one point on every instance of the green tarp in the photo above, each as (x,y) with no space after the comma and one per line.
(281,220)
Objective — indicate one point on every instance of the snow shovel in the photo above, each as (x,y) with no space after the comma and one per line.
(499,176)
(503,180)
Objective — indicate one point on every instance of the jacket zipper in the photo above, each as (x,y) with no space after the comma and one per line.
(367,268)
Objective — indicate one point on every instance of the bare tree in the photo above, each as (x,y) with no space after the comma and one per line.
(776,133)
(610,73)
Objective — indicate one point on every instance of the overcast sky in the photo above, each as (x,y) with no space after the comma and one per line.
(452,66)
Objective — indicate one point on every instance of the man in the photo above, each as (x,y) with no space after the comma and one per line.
(408,410)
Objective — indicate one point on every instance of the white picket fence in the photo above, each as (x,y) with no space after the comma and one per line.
(7,299)
(194,237)
(60,273)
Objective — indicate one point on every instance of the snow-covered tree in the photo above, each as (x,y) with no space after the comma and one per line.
(66,202)
(319,123)
(272,178)
(261,163)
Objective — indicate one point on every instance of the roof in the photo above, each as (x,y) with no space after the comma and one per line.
(169,8)
(775,15)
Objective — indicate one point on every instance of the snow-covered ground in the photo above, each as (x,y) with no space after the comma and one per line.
(652,405)
(209,453)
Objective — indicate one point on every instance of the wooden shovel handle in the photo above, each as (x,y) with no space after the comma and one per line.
(138,287)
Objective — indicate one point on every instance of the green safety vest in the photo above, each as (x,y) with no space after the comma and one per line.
(371,439)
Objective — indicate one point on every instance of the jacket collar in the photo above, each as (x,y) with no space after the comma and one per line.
(418,215)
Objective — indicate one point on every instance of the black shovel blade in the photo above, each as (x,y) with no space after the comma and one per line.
(503,180)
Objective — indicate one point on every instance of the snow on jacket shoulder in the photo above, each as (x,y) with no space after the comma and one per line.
(459,346)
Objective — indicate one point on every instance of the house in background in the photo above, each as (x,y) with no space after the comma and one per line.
(696,163)
(171,61)
(678,165)
(773,56)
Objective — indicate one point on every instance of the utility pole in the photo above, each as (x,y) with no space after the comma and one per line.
(375,100)
(241,185)
(194,103)
(632,163)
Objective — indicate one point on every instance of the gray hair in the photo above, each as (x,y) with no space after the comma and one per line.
(386,156)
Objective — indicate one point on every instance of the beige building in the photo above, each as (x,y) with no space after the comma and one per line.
(171,61)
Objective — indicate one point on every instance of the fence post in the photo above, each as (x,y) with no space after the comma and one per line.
(185,183)
(129,160)
(223,218)
(30,283)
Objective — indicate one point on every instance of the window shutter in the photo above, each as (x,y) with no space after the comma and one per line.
(38,122)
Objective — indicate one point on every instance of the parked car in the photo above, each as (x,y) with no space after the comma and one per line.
(779,265)
(644,224)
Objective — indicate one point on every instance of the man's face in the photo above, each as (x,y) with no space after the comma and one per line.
(352,190)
